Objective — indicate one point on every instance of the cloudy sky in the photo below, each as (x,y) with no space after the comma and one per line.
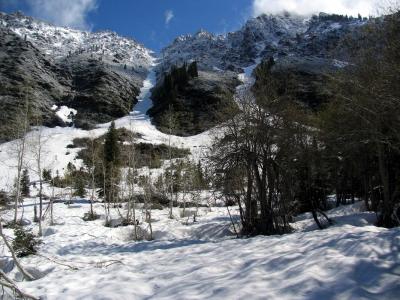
(156,22)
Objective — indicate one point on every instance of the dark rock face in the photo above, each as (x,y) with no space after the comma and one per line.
(97,74)
(99,93)
(303,80)
(204,102)
(26,75)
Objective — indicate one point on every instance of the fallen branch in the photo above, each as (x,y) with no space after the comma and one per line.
(7,282)
(58,263)
(98,264)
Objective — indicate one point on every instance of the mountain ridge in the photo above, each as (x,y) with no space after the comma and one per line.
(100,73)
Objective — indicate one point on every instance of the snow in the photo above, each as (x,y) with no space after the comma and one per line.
(204,260)
(247,80)
(144,103)
(65,113)
(340,64)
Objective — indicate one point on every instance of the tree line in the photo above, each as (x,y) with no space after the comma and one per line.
(278,158)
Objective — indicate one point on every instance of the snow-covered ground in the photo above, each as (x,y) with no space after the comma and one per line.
(350,260)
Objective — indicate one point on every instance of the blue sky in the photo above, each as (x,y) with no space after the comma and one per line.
(155,23)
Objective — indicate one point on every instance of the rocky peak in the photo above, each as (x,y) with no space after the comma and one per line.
(60,42)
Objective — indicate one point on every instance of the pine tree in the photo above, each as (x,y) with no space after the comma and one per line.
(111,147)
(79,184)
(25,183)
(46,175)
(192,70)
(111,164)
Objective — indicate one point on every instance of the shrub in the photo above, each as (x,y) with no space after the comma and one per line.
(88,216)
(47,175)
(25,242)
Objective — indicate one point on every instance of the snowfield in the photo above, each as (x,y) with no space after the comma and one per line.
(85,260)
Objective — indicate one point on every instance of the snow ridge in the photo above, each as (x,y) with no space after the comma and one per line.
(60,42)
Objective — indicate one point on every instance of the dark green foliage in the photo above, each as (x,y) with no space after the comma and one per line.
(194,103)
(331,17)
(46,174)
(192,70)
(111,146)
(111,164)
(25,183)
(145,154)
(295,83)
(361,125)
(25,243)
(79,182)
(58,181)
(4,199)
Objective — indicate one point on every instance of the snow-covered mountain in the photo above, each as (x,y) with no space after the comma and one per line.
(61,42)
(307,48)
(97,75)
(267,35)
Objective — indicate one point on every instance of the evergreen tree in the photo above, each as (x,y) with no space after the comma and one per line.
(111,147)
(111,164)
(192,70)
(25,183)
(46,175)
(79,184)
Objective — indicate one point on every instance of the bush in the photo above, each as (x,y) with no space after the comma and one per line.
(46,175)
(90,217)
(25,242)
(156,206)
(4,198)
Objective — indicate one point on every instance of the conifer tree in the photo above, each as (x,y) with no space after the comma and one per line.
(25,183)
(192,70)
(111,163)
(111,147)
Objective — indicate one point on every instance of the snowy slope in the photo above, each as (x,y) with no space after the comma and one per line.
(345,261)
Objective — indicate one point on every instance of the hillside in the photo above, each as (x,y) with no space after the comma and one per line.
(97,74)
(309,48)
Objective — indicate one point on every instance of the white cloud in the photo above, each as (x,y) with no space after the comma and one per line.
(72,13)
(169,15)
(307,7)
